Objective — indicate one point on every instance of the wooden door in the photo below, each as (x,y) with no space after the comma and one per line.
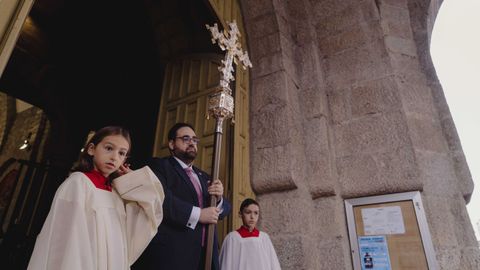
(187,84)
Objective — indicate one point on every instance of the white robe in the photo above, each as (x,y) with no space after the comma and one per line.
(250,253)
(93,229)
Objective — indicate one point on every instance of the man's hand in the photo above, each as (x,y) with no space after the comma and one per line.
(209,215)
(216,189)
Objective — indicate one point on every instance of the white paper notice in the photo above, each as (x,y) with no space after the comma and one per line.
(383,220)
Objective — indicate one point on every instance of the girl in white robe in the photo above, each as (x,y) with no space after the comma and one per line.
(248,248)
(100,220)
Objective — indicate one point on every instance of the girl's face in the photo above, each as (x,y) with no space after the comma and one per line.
(109,154)
(250,216)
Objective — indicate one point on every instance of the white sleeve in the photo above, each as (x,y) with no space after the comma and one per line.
(194,217)
(228,254)
(143,196)
(220,205)
(275,265)
(64,242)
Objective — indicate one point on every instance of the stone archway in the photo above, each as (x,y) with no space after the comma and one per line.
(344,105)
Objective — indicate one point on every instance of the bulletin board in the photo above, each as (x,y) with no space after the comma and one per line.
(389,232)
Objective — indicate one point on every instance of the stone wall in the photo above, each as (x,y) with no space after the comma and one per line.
(345,103)
(7,115)
(16,127)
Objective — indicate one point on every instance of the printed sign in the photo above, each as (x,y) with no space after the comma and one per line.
(374,253)
(383,220)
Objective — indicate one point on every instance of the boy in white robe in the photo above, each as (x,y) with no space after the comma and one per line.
(248,248)
(96,221)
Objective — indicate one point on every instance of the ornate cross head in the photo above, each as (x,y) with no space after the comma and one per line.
(228,41)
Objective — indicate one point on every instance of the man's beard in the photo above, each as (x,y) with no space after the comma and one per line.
(186,156)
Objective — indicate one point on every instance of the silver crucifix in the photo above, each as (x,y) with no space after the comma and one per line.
(221,103)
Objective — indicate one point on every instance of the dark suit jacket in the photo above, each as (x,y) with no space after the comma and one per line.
(176,246)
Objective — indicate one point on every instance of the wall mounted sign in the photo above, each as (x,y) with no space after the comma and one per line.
(389,232)
(374,252)
(383,220)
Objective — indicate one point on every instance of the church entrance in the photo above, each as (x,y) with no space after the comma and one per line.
(84,65)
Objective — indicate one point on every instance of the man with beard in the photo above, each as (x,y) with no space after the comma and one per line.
(181,239)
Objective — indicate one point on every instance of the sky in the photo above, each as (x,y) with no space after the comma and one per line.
(454,48)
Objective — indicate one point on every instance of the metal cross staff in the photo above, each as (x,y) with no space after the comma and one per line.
(221,104)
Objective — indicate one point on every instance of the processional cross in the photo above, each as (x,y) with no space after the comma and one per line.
(229,41)
(221,104)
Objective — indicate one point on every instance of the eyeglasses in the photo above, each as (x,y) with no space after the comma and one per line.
(188,139)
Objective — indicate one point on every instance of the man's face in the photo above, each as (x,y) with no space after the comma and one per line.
(183,146)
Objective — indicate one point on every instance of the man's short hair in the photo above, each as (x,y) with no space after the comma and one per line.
(172,133)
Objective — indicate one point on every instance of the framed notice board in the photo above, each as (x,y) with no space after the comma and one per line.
(389,232)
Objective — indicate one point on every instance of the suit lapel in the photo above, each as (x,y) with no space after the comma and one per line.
(183,175)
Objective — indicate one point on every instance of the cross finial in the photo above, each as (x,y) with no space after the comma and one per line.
(228,41)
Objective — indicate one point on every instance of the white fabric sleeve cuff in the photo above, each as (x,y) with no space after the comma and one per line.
(194,217)
(220,205)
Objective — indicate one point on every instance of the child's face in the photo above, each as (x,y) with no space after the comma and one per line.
(250,216)
(109,154)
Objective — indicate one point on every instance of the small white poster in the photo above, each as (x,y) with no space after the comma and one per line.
(374,253)
(383,220)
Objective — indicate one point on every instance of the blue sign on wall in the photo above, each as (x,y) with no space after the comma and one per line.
(374,252)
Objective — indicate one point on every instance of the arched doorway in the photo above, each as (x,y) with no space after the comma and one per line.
(74,63)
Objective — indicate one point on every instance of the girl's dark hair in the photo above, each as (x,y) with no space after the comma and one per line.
(247,202)
(85,161)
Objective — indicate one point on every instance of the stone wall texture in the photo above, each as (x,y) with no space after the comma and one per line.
(16,127)
(345,103)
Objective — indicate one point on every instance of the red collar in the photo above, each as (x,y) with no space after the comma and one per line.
(98,180)
(244,232)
